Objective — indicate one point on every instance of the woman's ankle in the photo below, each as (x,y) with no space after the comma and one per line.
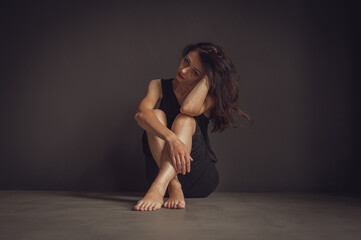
(175,183)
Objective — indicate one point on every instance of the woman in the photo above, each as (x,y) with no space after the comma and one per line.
(175,114)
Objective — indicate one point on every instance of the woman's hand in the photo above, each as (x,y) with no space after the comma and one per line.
(179,155)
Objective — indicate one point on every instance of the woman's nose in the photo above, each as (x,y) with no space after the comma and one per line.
(184,70)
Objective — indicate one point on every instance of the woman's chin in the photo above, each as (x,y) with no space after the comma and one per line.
(178,78)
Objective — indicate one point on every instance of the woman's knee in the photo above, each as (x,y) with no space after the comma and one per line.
(160,115)
(184,120)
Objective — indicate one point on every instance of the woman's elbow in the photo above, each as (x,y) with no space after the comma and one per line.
(140,115)
(187,112)
(137,116)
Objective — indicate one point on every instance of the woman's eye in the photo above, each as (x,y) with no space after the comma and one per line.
(195,73)
(186,60)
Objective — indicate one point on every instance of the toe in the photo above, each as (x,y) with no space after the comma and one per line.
(137,206)
(151,207)
(145,206)
(141,207)
(181,205)
(157,206)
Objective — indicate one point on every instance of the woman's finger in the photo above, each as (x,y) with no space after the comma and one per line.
(188,164)
(184,164)
(179,164)
(174,162)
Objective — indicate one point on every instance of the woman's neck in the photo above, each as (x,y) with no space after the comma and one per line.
(182,88)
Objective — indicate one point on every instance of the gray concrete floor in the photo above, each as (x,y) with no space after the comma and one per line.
(223,215)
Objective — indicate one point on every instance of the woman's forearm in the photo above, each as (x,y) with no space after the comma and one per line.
(150,123)
(195,99)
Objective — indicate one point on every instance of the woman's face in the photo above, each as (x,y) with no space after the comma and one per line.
(190,69)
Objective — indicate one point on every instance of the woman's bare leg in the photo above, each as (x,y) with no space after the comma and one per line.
(156,146)
(184,128)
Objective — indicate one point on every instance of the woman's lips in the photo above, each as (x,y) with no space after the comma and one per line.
(180,75)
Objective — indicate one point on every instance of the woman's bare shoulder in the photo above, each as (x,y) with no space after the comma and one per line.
(156,86)
(156,81)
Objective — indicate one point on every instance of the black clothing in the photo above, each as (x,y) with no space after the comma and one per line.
(203,177)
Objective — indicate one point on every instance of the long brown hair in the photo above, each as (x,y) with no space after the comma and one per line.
(223,79)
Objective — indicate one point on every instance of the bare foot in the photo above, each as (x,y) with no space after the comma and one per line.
(176,197)
(152,200)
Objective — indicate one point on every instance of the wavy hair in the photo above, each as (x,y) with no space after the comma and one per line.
(223,79)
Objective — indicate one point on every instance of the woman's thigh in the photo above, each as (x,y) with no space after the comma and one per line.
(203,177)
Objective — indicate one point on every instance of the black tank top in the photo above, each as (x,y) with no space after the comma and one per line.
(170,106)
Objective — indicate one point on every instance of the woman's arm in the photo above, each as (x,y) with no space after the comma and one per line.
(146,119)
(194,101)
(145,116)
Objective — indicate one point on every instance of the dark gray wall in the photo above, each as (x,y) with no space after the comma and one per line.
(73,74)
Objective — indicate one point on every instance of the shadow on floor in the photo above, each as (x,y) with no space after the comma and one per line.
(131,197)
